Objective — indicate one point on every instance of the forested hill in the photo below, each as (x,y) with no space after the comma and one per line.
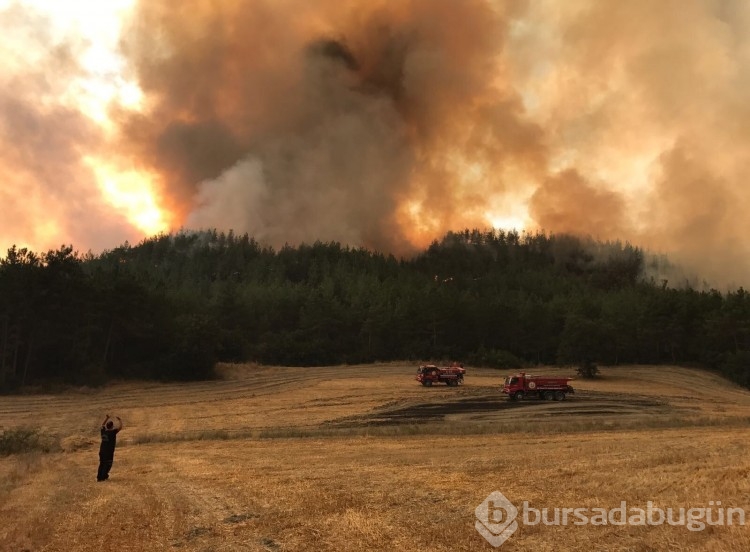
(173,305)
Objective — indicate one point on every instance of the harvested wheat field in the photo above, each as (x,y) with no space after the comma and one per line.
(363,458)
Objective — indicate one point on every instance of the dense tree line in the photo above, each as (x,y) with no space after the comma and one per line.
(174,305)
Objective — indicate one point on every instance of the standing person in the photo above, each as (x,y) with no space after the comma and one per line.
(107,448)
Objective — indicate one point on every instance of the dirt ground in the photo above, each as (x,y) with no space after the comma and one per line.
(364,458)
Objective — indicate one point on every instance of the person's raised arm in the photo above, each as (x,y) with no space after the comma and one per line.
(105,420)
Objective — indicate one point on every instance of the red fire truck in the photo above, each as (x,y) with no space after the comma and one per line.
(522,386)
(427,374)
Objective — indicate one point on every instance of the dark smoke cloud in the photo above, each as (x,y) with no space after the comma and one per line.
(298,121)
(570,204)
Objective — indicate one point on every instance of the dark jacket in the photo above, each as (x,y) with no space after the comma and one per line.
(109,439)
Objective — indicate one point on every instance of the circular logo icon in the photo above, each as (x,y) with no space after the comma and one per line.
(496,518)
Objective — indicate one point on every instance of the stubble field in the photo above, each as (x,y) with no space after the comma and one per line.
(363,458)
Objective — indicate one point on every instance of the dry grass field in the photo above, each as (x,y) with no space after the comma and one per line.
(359,458)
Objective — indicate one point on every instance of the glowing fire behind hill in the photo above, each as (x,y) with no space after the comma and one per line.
(379,124)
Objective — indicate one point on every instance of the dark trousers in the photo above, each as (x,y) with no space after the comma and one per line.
(106,457)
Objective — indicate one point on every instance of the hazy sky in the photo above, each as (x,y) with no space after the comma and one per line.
(382,124)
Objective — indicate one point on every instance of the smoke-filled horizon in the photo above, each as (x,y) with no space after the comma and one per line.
(385,125)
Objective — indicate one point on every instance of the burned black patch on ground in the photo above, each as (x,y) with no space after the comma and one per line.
(494,405)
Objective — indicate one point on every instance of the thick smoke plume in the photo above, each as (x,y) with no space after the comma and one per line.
(349,121)
(385,124)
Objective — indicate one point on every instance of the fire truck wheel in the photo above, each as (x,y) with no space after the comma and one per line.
(518,396)
(549,395)
(428,383)
(559,396)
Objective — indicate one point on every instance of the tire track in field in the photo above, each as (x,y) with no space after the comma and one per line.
(270,381)
(254,399)
(154,499)
(152,397)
